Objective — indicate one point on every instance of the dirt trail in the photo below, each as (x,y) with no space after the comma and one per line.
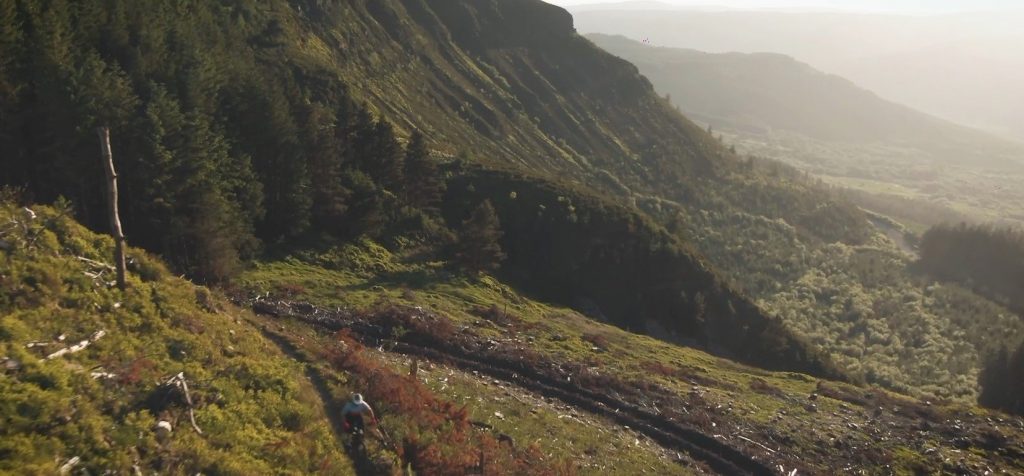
(331,406)
(717,455)
(894,233)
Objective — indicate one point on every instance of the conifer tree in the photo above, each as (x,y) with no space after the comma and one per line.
(1002,381)
(10,46)
(379,154)
(368,205)
(424,186)
(478,248)
(10,53)
(325,161)
(267,131)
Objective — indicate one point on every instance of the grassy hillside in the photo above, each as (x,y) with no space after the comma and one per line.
(100,407)
(785,420)
(266,389)
(265,396)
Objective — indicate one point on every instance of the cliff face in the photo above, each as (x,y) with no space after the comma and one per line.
(503,24)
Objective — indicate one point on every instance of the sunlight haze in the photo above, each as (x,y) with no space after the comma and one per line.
(962,61)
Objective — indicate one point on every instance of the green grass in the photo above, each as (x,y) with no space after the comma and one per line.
(257,412)
(598,446)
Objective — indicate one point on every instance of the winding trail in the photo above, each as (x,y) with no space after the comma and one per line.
(331,406)
(716,454)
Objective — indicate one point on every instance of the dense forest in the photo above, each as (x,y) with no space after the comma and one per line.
(223,144)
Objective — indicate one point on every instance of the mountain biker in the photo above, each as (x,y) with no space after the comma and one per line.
(353,412)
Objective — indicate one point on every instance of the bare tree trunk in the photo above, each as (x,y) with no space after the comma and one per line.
(115,219)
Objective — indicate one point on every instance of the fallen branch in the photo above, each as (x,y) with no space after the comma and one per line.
(97,264)
(756,443)
(179,381)
(71,463)
(385,438)
(79,346)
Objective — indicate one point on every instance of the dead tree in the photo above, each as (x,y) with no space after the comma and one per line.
(115,219)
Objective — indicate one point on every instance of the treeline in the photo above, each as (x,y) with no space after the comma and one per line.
(1002,381)
(984,258)
(568,246)
(225,139)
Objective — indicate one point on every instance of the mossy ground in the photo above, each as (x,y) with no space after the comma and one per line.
(258,414)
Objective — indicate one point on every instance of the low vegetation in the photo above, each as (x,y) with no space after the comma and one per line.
(265,396)
(785,419)
(99,409)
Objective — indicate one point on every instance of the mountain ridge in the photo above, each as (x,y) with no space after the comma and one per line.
(758,92)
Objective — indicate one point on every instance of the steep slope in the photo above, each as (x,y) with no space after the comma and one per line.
(722,417)
(234,111)
(510,80)
(266,395)
(98,409)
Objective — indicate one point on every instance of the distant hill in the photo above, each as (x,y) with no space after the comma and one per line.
(764,93)
(965,67)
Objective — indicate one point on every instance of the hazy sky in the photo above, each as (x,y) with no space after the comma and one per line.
(922,6)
